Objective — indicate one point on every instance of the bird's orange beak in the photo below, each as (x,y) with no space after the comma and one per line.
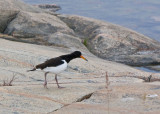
(83,58)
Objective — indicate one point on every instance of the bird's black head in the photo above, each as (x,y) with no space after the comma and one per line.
(78,54)
(69,57)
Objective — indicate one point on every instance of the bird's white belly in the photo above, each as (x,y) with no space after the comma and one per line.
(56,69)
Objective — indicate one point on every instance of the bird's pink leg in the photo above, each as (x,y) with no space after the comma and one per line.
(45,81)
(57,81)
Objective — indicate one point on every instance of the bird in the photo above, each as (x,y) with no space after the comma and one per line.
(57,65)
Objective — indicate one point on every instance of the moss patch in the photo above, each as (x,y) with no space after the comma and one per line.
(85,42)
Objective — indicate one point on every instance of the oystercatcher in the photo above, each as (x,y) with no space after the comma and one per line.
(57,65)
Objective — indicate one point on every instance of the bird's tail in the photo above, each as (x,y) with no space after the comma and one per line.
(31,69)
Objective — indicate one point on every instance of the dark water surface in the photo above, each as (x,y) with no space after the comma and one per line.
(147,70)
(142,16)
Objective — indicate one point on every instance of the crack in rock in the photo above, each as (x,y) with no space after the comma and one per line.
(87,96)
(84,97)
(11,18)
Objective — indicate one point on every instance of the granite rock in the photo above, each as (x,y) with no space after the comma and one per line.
(113,42)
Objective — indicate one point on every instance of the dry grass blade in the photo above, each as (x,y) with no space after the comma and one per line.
(107,80)
(108,91)
(10,82)
(4,83)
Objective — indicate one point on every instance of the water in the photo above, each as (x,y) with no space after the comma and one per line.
(142,16)
(147,69)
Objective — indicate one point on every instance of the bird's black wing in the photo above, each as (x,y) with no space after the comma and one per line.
(50,63)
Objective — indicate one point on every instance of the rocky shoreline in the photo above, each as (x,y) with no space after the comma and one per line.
(103,39)
(49,7)
(91,86)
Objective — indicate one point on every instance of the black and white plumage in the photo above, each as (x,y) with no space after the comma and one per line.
(57,65)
